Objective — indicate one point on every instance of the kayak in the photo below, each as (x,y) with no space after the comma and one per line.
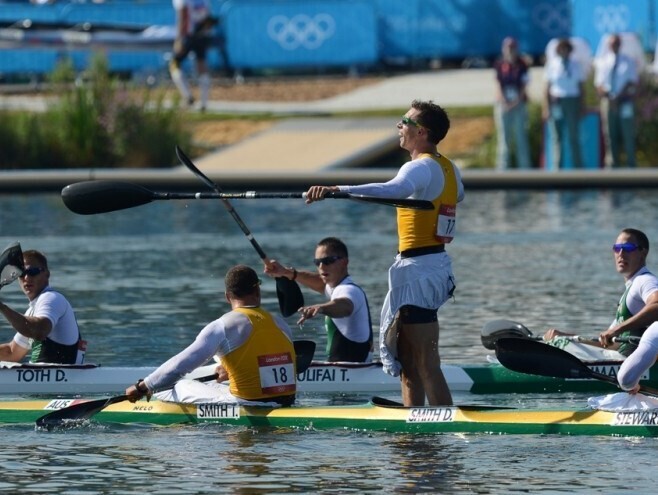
(320,378)
(377,415)
(68,379)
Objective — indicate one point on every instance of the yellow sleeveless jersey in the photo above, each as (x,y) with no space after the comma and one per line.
(264,366)
(422,228)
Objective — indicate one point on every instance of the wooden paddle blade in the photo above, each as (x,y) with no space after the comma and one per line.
(77,412)
(304,349)
(536,358)
(289,295)
(103,196)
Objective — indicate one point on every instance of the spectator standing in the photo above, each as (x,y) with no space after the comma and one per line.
(564,102)
(616,78)
(194,25)
(510,111)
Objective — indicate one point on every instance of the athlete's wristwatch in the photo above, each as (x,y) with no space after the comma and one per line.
(141,386)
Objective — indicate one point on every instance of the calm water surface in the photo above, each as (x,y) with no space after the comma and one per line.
(144,282)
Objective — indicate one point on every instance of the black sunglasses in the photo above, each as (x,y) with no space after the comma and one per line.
(33,271)
(327,260)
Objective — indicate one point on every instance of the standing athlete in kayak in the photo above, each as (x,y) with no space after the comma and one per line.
(420,280)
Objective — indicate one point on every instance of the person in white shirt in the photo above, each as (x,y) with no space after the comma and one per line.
(564,102)
(194,24)
(638,305)
(616,79)
(49,327)
(637,364)
(347,314)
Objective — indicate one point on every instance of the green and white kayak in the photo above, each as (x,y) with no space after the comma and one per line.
(320,378)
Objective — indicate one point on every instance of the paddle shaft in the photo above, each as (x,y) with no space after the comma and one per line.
(104,196)
(227,204)
(288,292)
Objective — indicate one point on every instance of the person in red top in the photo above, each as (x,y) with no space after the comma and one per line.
(510,111)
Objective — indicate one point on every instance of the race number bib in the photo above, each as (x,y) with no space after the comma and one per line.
(445,227)
(277,374)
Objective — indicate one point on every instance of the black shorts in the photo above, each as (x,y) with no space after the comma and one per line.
(415,314)
(195,44)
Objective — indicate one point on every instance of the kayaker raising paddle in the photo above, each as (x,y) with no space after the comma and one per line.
(347,315)
(48,327)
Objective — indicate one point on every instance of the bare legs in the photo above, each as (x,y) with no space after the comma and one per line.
(418,353)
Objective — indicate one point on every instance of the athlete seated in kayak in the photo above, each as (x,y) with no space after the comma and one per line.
(48,327)
(638,306)
(255,348)
(636,365)
(347,315)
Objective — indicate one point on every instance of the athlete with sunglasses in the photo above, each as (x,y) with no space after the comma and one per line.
(347,315)
(420,280)
(638,306)
(48,328)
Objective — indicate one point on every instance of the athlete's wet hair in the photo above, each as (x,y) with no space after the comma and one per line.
(241,281)
(640,237)
(335,245)
(433,118)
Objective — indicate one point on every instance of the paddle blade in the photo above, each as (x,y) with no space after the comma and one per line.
(536,358)
(103,196)
(498,329)
(77,412)
(304,349)
(193,168)
(11,264)
(289,295)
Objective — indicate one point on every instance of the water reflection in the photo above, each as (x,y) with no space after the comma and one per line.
(144,282)
(425,464)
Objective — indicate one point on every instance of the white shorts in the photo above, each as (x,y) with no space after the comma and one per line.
(424,281)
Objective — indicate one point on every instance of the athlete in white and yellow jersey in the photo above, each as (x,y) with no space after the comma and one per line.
(420,279)
(255,348)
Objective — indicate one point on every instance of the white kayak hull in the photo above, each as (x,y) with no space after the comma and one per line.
(321,377)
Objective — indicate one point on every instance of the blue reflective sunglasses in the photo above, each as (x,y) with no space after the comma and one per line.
(627,247)
(327,260)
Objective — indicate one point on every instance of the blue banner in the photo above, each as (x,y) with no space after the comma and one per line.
(594,18)
(461,28)
(263,34)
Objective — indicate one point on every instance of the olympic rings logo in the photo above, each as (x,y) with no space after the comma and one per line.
(552,19)
(611,19)
(301,30)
